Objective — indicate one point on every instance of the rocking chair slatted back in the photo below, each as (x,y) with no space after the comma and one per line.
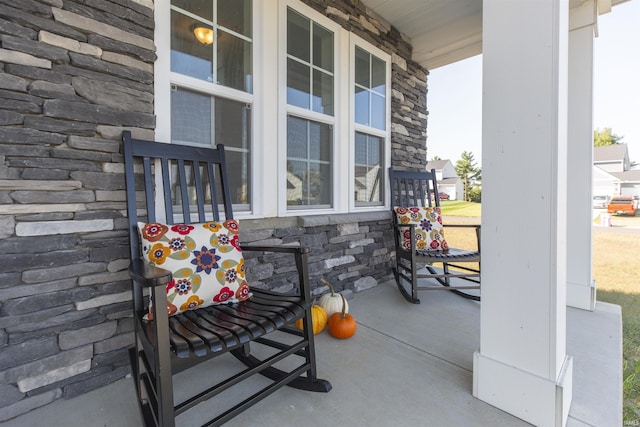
(414,188)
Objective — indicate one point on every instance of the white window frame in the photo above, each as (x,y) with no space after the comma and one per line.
(369,130)
(165,80)
(337,120)
(270,109)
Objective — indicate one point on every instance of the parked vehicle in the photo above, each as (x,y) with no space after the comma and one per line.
(599,202)
(441,196)
(622,205)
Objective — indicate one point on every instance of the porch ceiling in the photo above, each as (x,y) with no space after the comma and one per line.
(445,31)
(441,31)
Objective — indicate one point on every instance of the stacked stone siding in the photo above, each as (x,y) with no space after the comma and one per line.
(73,76)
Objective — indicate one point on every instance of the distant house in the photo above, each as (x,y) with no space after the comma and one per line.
(612,173)
(448,180)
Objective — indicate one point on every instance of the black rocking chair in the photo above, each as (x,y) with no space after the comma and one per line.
(167,345)
(420,189)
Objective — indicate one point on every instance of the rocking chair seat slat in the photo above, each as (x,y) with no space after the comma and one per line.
(252,322)
(267,323)
(460,255)
(220,328)
(277,315)
(290,310)
(255,329)
(195,343)
(230,333)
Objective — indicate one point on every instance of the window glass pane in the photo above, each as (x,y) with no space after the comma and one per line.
(203,9)
(234,62)
(378,75)
(368,170)
(377,111)
(309,181)
(233,129)
(322,48)
(374,150)
(235,15)
(188,55)
(322,92)
(239,173)
(319,141)
(193,58)
(296,138)
(362,106)
(362,67)
(361,148)
(298,36)
(190,117)
(298,84)
(233,124)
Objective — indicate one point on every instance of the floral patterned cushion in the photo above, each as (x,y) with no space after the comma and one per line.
(205,259)
(429,231)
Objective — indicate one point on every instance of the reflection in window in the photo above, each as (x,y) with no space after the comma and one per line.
(309,181)
(310,76)
(370,90)
(369,169)
(370,106)
(221,57)
(201,119)
(227,60)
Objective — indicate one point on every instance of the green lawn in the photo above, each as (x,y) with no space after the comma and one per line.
(616,275)
(460,208)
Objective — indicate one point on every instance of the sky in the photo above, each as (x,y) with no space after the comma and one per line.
(454,99)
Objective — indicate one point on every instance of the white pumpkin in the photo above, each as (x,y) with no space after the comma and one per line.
(331,302)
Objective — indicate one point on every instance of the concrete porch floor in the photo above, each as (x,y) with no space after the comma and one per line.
(408,365)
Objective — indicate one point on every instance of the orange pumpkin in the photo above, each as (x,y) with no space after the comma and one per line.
(341,324)
(318,319)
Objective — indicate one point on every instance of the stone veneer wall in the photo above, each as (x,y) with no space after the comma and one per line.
(73,75)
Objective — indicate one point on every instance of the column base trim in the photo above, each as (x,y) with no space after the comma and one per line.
(581,296)
(532,398)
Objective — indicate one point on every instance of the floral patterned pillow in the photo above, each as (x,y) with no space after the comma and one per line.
(205,259)
(429,231)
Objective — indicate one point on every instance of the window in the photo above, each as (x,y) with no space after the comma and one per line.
(212,82)
(370,117)
(310,111)
(302,107)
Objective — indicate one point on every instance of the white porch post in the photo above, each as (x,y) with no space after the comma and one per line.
(581,291)
(522,366)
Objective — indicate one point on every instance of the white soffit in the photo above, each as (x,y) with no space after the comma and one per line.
(446,31)
(441,31)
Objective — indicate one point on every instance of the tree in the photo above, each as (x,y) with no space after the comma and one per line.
(468,171)
(605,137)
(436,158)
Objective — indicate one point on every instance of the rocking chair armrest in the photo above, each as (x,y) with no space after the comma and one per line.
(148,275)
(301,254)
(399,224)
(277,248)
(476,226)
